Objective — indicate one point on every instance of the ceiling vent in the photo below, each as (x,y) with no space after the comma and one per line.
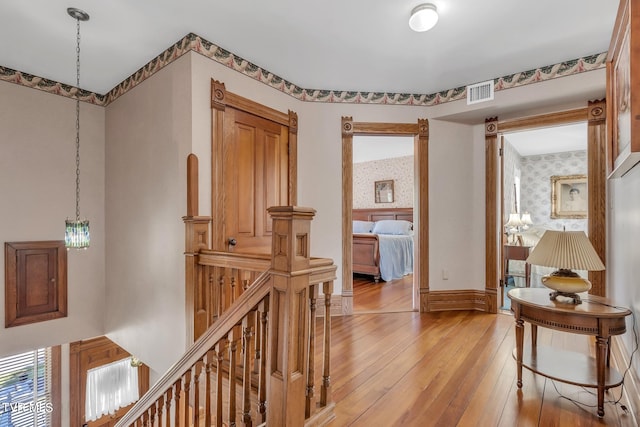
(480,92)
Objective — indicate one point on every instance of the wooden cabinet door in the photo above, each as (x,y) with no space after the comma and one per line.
(255,178)
(36,282)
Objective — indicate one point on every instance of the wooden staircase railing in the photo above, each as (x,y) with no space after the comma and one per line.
(257,363)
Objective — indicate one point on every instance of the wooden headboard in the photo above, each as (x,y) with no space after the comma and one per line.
(377,214)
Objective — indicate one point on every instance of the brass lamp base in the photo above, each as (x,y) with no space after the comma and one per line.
(566,283)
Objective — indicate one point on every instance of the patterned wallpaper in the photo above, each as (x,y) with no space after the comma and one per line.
(399,169)
(536,186)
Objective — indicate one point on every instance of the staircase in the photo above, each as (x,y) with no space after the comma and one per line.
(257,360)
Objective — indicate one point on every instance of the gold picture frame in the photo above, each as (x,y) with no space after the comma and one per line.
(569,196)
(383,191)
(622,110)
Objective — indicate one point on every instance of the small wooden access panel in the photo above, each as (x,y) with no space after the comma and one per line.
(35,282)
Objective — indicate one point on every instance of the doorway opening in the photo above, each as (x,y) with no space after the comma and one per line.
(419,133)
(384,186)
(536,162)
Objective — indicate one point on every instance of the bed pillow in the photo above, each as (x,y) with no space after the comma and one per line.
(389,226)
(362,226)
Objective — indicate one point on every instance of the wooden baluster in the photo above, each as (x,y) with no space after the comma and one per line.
(196,393)
(187,401)
(145,418)
(207,387)
(167,411)
(221,292)
(178,404)
(325,391)
(234,336)
(160,409)
(220,348)
(262,355)
(234,272)
(248,325)
(152,415)
(310,403)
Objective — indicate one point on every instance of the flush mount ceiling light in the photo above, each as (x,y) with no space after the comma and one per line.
(423,17)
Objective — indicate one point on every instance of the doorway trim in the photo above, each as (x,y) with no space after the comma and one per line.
(594,115)
(420,132)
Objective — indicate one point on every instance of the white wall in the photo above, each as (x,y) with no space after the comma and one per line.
(148,135)
(623,268)
(37,184)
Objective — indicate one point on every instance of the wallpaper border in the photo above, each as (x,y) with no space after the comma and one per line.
(195,43)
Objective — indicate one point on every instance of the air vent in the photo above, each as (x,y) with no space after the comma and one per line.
(480,92)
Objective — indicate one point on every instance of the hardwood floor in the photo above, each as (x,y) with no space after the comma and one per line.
(451,369)
(382,297)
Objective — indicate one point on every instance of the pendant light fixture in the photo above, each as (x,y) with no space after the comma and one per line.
(77,231)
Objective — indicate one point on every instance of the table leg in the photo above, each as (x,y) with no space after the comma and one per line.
(601,355)
(519,346)
(534,337)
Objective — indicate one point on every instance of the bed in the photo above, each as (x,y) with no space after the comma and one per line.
(383,242)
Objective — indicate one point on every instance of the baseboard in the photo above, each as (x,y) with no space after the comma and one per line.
(456,300)
(631,381)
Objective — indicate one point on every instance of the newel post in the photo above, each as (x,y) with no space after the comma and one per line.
(196,238)
(289,315)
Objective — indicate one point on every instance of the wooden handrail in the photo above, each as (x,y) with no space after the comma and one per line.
(249,299)
(252,262)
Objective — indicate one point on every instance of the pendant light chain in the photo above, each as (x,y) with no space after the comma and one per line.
(78,121)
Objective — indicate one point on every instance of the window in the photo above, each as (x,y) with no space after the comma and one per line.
(29,388)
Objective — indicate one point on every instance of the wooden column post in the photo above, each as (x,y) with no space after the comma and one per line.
(196,238)
(289,330)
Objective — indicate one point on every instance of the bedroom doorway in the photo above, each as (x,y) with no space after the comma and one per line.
(594,114)
(532,162)
(418,133)
(383,190)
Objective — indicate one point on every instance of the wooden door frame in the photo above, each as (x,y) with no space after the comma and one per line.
(420,132)
(220,99)
(594,115)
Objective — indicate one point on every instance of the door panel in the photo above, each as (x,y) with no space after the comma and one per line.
(256,177)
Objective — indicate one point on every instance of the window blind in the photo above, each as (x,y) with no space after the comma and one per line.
(25,389)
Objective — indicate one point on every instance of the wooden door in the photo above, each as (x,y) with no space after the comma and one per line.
(254,167)
(255,178)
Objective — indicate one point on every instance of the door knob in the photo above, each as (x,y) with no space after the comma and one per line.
(232,241)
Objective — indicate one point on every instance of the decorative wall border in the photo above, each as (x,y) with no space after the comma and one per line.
(193,42)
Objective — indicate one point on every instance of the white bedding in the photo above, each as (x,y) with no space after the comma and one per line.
(396,256)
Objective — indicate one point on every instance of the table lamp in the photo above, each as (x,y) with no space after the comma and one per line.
(567,251)
(513,225)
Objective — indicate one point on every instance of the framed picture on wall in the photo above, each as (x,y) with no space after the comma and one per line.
(569,196)
(384,191)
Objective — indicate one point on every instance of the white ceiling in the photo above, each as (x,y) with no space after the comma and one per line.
(358,45)
(557,139)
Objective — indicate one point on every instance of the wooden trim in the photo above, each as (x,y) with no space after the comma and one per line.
(56,385)
(192,185)
(457,300)
(493,236)
(293,158)
(597,190)
(420,130)
(544,120)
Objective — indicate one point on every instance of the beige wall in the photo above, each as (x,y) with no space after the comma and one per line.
(37,186)
(398,169)
(148,137)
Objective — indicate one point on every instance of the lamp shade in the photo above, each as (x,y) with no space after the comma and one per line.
(423,17)
(526,218)
(567,250)
(514,221)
